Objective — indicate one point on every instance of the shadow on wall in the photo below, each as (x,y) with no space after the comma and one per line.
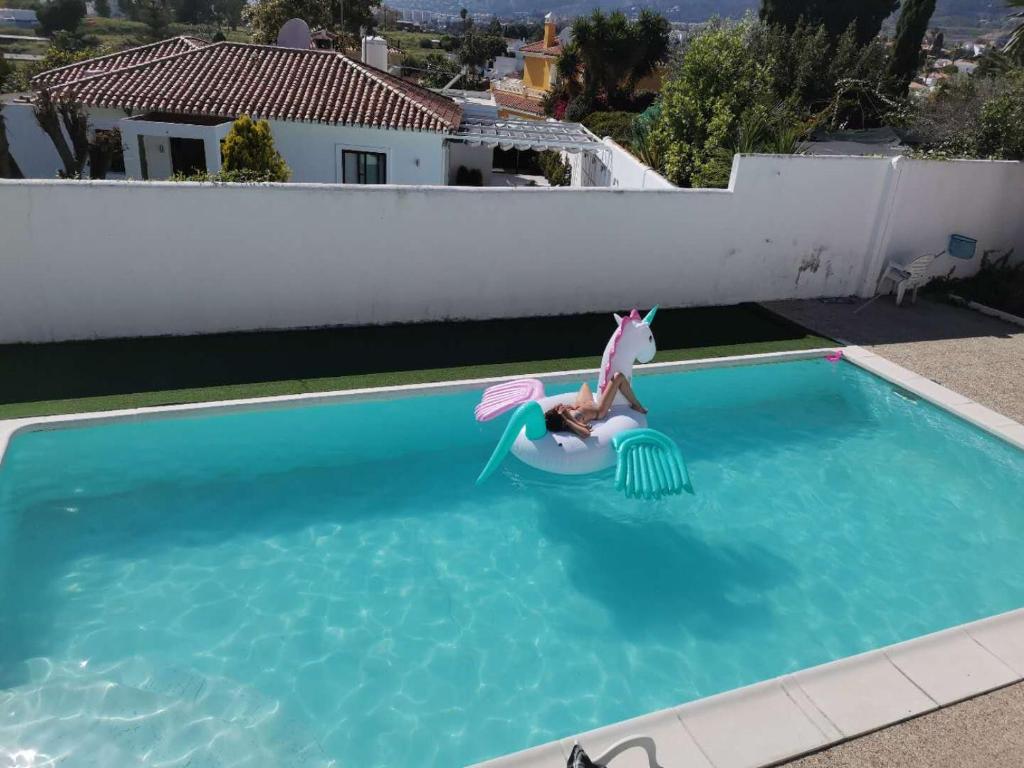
(34,372)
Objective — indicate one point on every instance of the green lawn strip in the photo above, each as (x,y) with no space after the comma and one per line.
(383,379)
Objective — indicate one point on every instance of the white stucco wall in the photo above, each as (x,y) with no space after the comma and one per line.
(311,151)
(33,149)
(614,167)
(980,199)
(187,258)
(481,158)
(30,147)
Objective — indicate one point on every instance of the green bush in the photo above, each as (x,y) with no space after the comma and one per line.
(974,116)
(998,284)
(60,14)
(228,177)
(249,148)
(556,170)
(717,82)
(617,125)
(1001,123)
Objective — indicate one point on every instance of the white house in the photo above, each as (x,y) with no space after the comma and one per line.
(334,119)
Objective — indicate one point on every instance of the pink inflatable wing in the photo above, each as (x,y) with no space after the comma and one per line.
(835,357)
(503,397)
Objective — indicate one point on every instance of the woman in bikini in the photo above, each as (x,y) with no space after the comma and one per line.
(578,416)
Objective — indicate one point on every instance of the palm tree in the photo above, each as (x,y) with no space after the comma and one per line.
(1015,46)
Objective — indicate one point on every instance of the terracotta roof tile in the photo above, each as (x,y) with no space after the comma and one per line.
(113,61)
(518,103)
(539,47)
(227,79)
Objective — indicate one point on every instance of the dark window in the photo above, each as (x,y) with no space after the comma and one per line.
(106,152)
(364,167)
(188,156)
(143,165)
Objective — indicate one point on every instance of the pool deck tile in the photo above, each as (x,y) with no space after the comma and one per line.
(1013,433)
(751,726)
(862,693)
(1003,637)
(935,393)
(950,666)
(810,708)
(983,417)
(880,366)
(675,747)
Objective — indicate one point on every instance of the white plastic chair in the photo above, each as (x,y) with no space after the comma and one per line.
(908,277)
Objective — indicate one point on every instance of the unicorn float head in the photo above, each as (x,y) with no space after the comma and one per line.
(632,342)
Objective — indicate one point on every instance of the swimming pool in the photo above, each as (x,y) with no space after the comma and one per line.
(288,587)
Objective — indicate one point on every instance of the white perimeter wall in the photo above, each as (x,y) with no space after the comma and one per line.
(184,258)
(614,167)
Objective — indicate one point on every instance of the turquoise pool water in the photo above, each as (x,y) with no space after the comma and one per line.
(325,585)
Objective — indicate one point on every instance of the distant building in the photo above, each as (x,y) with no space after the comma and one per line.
(18,17)
(540,58)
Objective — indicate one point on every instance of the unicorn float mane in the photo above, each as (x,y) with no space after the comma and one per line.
(613,348)
(632,340)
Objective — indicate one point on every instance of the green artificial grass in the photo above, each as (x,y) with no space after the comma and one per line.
(76,377)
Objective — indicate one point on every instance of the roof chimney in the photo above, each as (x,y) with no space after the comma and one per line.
(375,52)
(550,38)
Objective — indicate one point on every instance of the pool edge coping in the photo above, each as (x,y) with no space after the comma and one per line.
(782,718)
(10,428)
(803,712)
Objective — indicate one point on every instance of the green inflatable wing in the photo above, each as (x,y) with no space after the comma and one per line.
(529,415)
(649,465)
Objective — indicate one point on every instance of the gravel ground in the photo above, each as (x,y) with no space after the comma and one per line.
(978,356)
(982,358)
(986,732)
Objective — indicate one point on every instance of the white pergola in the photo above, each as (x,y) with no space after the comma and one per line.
(539,135)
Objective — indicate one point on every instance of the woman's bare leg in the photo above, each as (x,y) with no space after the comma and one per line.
(627,392)
(608,396)
(618,384)
(585,396)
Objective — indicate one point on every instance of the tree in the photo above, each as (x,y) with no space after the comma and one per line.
(60,14)
(609,54)
(59,118)
(228,12)
(477,49)
(266,17)
(1001,124)
(249,147)
(866,15)
(716,84)
(974,116)
(157,18)
(937,43)
(102,8)
(1014,47)
(906,55)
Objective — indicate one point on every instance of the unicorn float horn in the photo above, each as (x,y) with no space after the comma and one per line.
(649,318)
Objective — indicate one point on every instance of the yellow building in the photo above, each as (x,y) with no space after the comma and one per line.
(540,58)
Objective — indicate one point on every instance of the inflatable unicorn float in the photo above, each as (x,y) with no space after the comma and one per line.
(648,464)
